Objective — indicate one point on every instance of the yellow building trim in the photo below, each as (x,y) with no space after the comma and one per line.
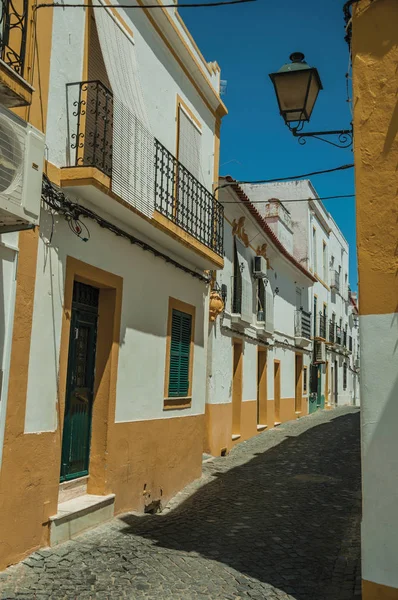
(189,309)
(194,44)
(216,160)
(79,176)
(221,109)
(106,362)
(262,385)
(325,285)
(180,102)
(305,381)
(21,91)
(118,16)
(377,591)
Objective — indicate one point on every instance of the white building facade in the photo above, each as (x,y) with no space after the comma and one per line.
(108,405)
(260,347)
(319,245)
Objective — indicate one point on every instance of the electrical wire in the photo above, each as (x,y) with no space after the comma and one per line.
(291,199)
(72,212)
(276,180)
(183,5)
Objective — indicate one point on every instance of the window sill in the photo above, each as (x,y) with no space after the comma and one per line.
(261,427)
(277,423)
(235,436)
(177,403)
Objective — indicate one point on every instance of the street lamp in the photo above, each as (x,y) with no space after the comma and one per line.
(297,86)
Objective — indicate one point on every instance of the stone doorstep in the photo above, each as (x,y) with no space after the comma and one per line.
(72,489)
(79,514)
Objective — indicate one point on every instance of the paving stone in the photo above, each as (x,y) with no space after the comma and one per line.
(277,519)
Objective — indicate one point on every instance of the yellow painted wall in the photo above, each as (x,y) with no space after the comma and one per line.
(375,102)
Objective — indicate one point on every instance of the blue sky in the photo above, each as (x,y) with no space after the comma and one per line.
(249,41)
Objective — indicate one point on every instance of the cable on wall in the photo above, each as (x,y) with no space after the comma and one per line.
(72,212)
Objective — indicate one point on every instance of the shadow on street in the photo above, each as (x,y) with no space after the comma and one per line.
(289,517)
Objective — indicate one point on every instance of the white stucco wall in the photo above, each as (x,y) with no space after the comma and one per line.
(379,417)
(148,282)
(161,77)
(284,277)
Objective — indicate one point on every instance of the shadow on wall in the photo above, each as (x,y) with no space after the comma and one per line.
(287,517)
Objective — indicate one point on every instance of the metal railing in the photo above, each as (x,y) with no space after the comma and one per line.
(91,139)
(322,326)
(302,324)
(335,280)
(332,332)
(178,195)
(13,26)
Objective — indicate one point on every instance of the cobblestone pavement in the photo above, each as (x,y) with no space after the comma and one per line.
(278,518)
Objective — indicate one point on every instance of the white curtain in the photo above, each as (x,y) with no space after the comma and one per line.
(247,285)
(133,171)
(189,145)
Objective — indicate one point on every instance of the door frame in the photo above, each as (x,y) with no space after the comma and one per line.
(106,363)
(277,388)
(237,385)
(298,381)
(69,386)
(262,387)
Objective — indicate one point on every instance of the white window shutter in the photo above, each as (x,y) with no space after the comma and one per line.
(189,145)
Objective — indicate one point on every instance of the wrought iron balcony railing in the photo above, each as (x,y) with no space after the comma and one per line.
(92,135)
(178,195)
(13,25)
(332,332)
(322,326)
(302,324)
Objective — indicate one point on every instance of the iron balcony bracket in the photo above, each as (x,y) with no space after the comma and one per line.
(344,137)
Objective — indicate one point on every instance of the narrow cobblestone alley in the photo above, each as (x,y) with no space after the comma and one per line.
(277,518)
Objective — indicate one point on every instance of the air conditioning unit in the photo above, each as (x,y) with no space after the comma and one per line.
(259,267)
(320,352)
(21,171)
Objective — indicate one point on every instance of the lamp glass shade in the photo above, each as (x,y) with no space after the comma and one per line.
(297,88)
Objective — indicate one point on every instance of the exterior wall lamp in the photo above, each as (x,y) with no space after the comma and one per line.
(297,86)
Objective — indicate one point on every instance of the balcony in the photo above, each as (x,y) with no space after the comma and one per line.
(339,336)
(335,280)
(302,328)
(332,332)
(183,208)
(14,90)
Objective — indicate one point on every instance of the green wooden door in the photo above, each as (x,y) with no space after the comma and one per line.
(80,384)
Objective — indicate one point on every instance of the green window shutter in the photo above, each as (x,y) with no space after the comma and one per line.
(180,346)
